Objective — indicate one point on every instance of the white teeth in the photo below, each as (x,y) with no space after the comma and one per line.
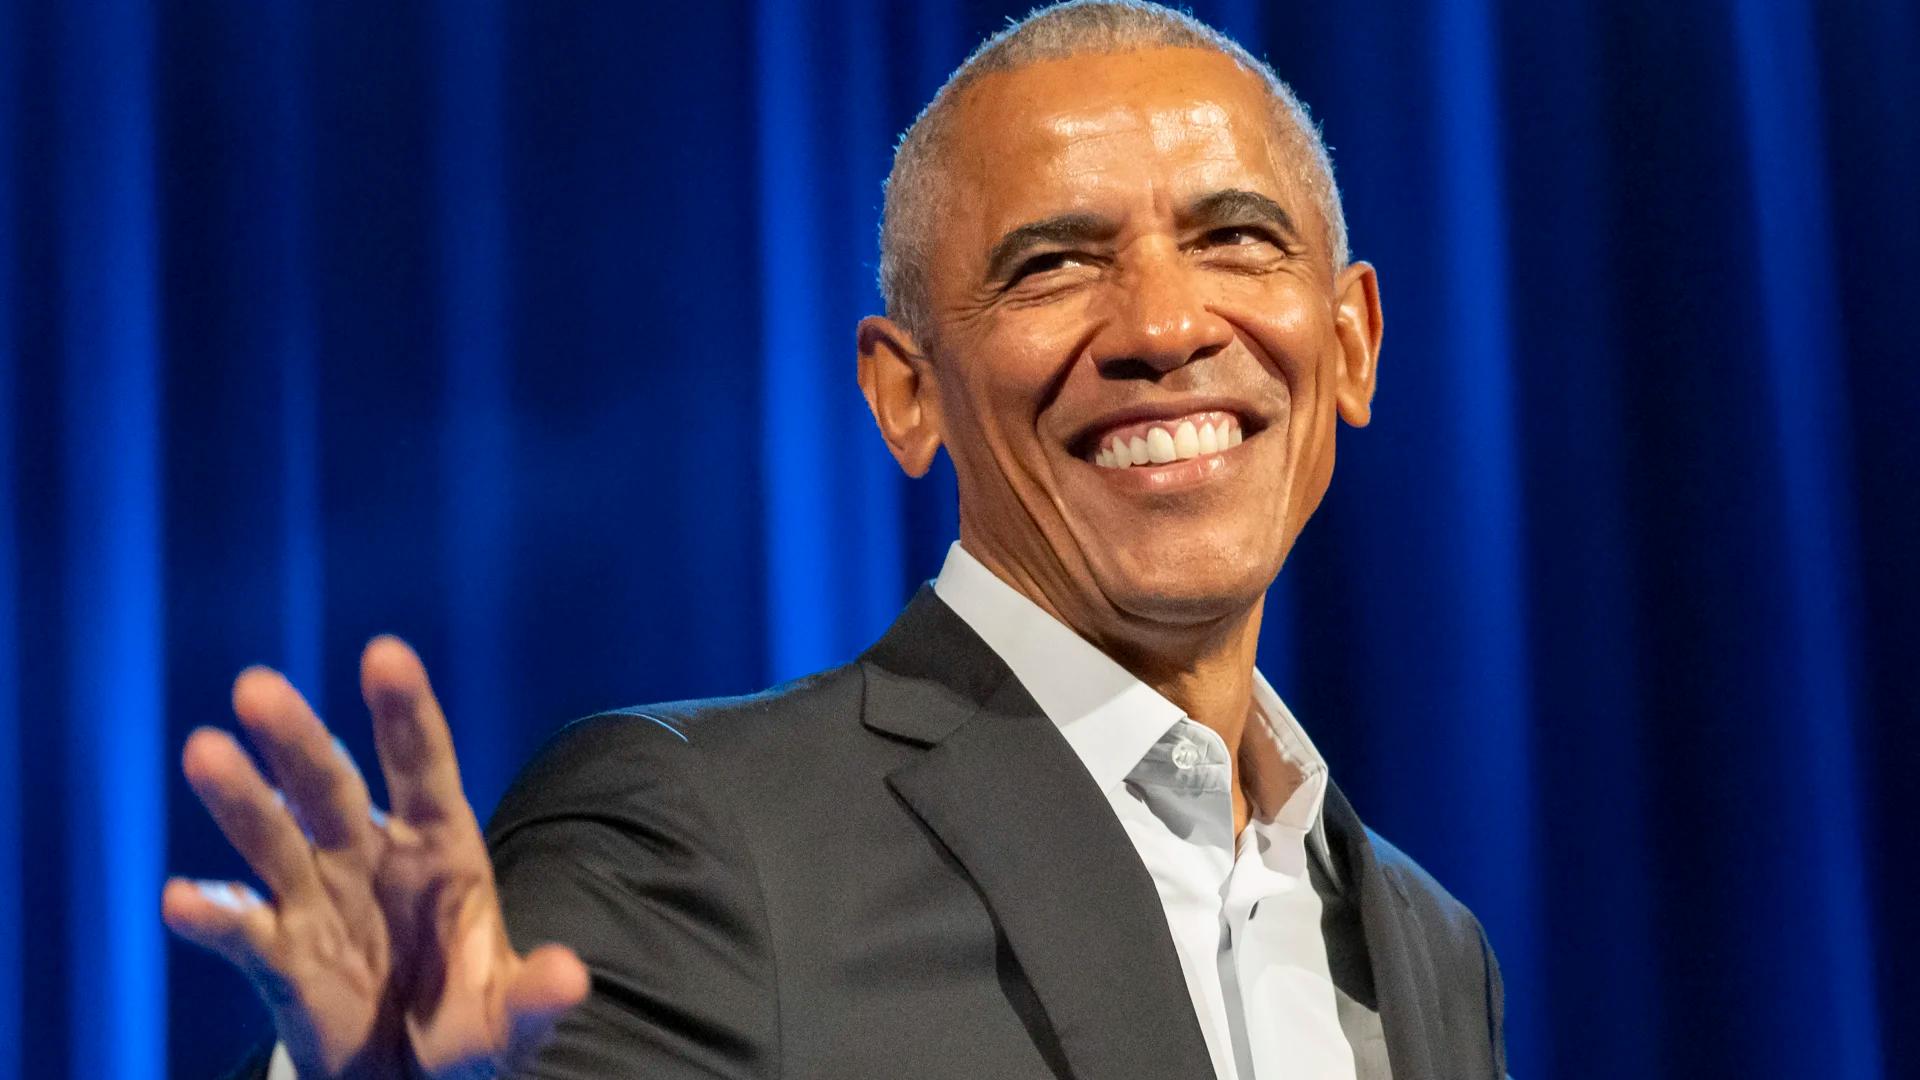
(1159,446)
(1186,441)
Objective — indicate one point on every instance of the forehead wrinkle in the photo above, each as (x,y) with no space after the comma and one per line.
(1117,119)
(1176,128)
(1168,130)
(1204,177)
(1197,146)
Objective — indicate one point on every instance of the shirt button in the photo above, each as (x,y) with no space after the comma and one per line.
(1185,755)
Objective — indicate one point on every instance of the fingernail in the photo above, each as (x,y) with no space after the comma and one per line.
(226,894)
(379,817)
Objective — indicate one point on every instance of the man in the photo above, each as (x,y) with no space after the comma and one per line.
(1054,824)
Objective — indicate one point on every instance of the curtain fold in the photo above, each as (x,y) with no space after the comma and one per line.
(526,332)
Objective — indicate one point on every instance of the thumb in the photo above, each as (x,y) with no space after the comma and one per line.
(551,980)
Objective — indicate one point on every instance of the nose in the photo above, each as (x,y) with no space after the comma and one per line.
(1159,319)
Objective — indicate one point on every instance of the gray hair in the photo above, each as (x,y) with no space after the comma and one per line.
(1057,32)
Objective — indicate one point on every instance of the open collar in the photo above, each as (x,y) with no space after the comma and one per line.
(1108,716)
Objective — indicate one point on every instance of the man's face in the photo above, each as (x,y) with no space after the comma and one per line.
(1140,344)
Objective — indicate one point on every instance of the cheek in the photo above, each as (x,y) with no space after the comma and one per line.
(1005,378)
(1293,331)
(1299,340)
(1017,369)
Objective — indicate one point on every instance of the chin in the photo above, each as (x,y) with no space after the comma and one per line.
(1187,582)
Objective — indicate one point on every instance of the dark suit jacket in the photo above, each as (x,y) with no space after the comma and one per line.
(899,869)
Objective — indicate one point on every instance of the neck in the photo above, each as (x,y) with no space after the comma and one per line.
(1210,677)
(1207,671)
(1212,681)
(1205,668)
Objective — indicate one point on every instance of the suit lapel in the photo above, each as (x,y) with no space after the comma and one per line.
(1007,797)
(1404,982)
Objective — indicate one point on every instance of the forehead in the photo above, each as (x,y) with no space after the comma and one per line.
(1087,130)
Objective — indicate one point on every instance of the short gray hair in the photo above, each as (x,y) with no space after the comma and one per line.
(1057,32)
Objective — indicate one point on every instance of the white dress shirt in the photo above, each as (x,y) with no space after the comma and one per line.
(1244,915)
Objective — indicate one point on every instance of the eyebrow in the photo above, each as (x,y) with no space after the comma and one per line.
(1059,229)
(1232,206)
(1224,207)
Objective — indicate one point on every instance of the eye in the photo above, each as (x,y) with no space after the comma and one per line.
(1239,236)
(1043,263)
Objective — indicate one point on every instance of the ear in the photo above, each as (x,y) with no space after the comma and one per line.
(1356,319)
(898,384)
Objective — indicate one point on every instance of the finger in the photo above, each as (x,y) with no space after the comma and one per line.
(328,793)
(249,812)
(416,749)
(551,980)
(225,917)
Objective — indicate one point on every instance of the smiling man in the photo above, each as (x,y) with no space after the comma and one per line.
(1054,824)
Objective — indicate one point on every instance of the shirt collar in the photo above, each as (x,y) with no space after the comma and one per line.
(1109,717)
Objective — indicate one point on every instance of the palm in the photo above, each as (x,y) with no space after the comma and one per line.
(384,940)
(451,944)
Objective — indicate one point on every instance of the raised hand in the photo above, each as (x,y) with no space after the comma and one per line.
(382,950)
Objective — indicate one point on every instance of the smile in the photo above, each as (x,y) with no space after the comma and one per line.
(1159,442)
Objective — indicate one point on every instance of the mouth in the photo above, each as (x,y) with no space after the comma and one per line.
(1143,443)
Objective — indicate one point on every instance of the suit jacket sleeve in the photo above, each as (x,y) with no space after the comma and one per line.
(609,844)
(1496,1005)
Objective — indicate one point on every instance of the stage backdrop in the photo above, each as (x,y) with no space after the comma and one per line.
(525,331)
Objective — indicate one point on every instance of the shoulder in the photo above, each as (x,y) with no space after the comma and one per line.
(1438,910)
(623,838)
(643,756)
(1451,931)
(1464,959)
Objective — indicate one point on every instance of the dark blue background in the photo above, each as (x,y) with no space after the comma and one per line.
(525,330)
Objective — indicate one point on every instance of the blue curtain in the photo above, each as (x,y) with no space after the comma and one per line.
(525,331)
